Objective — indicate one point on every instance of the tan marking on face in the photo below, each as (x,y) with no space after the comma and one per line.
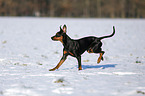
(59,39)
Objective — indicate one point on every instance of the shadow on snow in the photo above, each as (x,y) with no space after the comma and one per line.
(99,66)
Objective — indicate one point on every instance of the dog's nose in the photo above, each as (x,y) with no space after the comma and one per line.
(52,37)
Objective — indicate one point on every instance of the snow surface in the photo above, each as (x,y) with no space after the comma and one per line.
(27,53)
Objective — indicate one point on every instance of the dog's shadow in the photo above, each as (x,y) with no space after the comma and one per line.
(99,66)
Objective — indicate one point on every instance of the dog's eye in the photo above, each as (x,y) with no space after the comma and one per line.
(57,35)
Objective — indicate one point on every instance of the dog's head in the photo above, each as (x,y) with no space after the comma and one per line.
(59,35)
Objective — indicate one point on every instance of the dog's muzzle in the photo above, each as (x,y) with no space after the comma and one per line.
(54,38)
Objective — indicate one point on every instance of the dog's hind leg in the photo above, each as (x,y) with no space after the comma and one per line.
(100,57)
(99,50)
(96,48)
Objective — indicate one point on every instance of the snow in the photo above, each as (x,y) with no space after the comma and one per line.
(27,53)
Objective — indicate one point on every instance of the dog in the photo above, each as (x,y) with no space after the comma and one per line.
(76,48)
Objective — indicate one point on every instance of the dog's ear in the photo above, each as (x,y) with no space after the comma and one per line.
(60,27)
(64,28)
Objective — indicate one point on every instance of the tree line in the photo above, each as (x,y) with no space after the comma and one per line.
(74,8)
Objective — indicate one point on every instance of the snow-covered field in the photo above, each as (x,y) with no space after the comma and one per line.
(27,53)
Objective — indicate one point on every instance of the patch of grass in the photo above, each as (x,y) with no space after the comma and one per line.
(61,80)
(26,56)
(1,92)
(24,64)
(35,48)
(141,92)
(17,63)
(131,54)
(85,60)
(56,52)
(138,61)
(44,56)
(4,42)
(76,35)
(39,63)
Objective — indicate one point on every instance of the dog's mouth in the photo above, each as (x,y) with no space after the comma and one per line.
(54,38)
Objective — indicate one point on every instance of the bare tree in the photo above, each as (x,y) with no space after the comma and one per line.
(74,8)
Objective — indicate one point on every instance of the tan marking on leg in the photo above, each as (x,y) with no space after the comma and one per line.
(64,52)
(71,53)
(91,51)
(58,65)
(99,59)
(80,68)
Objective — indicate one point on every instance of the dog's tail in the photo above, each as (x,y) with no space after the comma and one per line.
(108,35)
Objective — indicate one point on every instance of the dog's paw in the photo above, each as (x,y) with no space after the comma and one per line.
(80,68)
(98,61)
(52,69)
(102,58)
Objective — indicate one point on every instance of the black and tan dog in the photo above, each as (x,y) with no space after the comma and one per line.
(76,48)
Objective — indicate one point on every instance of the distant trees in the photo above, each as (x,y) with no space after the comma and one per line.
(74,8)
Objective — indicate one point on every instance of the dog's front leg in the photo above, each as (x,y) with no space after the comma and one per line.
(79,63)
(60,62)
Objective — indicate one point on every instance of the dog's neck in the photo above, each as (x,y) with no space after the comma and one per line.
(66,40)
